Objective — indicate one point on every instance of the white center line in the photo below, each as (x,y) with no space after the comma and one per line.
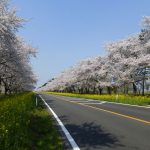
(66,132)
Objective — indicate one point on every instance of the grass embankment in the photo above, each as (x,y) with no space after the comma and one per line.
(23,126)
(126,99)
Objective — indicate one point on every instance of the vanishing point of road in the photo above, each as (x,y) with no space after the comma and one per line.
(98,125)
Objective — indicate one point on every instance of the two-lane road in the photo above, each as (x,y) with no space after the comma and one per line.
(96,125)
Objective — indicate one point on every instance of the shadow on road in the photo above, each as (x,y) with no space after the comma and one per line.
(89,135)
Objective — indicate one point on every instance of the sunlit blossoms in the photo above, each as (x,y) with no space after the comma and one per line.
(15,70)
(125,68)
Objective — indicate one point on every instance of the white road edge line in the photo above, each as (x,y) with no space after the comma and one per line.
(90,103)
(66,132)
(129,105)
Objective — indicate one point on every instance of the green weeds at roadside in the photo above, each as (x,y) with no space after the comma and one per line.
(23,126)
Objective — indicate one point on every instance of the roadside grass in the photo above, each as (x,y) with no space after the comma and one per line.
(126,99)
(23,126)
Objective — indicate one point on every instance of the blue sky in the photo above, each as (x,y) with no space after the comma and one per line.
(67,31)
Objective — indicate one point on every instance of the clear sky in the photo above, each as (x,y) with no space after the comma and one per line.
(67,31)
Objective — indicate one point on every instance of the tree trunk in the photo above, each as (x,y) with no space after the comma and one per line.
(100,90)
(109,90)
(143,86)
(134,89)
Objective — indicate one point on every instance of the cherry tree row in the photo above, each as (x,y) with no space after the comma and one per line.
(15,70)
(126,66)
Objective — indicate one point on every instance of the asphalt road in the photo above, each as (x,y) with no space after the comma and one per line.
(95,125)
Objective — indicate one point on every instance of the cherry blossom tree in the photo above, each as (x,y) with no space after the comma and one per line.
(127,62)
(15,71)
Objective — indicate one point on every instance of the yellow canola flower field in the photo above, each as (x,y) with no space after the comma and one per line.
(119,98)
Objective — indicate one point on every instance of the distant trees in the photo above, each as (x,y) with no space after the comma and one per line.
(127,63)
(15,71)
